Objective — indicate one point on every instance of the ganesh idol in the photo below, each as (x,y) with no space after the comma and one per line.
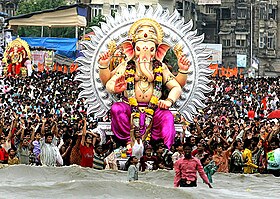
(15,56)
(140,80)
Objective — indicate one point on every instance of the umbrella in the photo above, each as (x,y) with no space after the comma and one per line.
(274,114)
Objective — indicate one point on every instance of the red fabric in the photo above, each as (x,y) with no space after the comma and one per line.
(2,154)
(251,114)
(187,168)
(264,103)
(274,114)
(87,156)
(18,66)
(13,133)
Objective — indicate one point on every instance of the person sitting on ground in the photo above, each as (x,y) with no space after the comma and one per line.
(186,169)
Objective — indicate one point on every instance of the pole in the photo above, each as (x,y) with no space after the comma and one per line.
(251,35)
(42,31)
(76,32)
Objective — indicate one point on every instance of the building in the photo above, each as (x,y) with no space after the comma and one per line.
(207,22)
(9,7)
(266,37)
(105,7)
(244,28)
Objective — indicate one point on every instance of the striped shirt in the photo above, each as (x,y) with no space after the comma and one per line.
(98,161)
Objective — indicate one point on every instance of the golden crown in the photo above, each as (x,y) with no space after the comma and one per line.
(154,33)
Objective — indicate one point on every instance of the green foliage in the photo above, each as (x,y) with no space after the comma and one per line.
(29,6)
(172,60)
(96,21)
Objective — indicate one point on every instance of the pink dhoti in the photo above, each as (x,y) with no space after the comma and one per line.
(163,123)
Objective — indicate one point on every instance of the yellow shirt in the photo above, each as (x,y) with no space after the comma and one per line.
(13,161)
(247,157)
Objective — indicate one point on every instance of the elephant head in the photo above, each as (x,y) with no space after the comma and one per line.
(143,53)
(146,45)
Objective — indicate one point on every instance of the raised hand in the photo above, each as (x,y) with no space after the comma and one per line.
(184,63)
(120,84)
(104,59)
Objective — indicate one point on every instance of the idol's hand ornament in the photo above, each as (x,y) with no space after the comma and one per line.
(104,60)
(184,64)
(120,84)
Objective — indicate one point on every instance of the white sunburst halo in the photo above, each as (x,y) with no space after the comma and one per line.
(99,100)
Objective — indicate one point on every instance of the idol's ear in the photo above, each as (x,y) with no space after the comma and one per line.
(128,49)
(161,51)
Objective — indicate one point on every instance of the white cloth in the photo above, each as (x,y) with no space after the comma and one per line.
(29,67)
(176,156)
(111,162)
(138,149)
(50,155)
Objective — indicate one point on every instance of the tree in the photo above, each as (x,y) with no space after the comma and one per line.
(96,21)
(29,6)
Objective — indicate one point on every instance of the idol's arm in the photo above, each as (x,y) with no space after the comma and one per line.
(110,85)
(181,78)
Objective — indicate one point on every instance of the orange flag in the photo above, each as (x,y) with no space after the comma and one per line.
(40,67)
(65,69)
(214,67)
(234,71)
(59,67)
(73,67)
(54,67)
(223,72)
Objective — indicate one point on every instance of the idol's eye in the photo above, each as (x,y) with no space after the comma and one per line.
(152,49)
(137,48)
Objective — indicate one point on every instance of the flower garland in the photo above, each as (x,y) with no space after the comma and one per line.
(135,112)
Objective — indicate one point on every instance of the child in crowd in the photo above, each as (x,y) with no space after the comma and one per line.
(132,174)
(209,167)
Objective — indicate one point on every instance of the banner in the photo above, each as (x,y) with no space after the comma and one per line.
(38,57)
(241,61)
(225,72)
(215,52)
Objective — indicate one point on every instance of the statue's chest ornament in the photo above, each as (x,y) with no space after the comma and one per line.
(144,86)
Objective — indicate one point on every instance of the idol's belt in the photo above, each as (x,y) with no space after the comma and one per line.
(140,104)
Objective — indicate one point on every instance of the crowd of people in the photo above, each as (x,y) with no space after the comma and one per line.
(44,123)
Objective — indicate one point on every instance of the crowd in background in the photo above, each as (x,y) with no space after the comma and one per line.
(43,123)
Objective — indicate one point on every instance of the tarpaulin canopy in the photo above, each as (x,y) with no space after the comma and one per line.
(62,46)
(64,16)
